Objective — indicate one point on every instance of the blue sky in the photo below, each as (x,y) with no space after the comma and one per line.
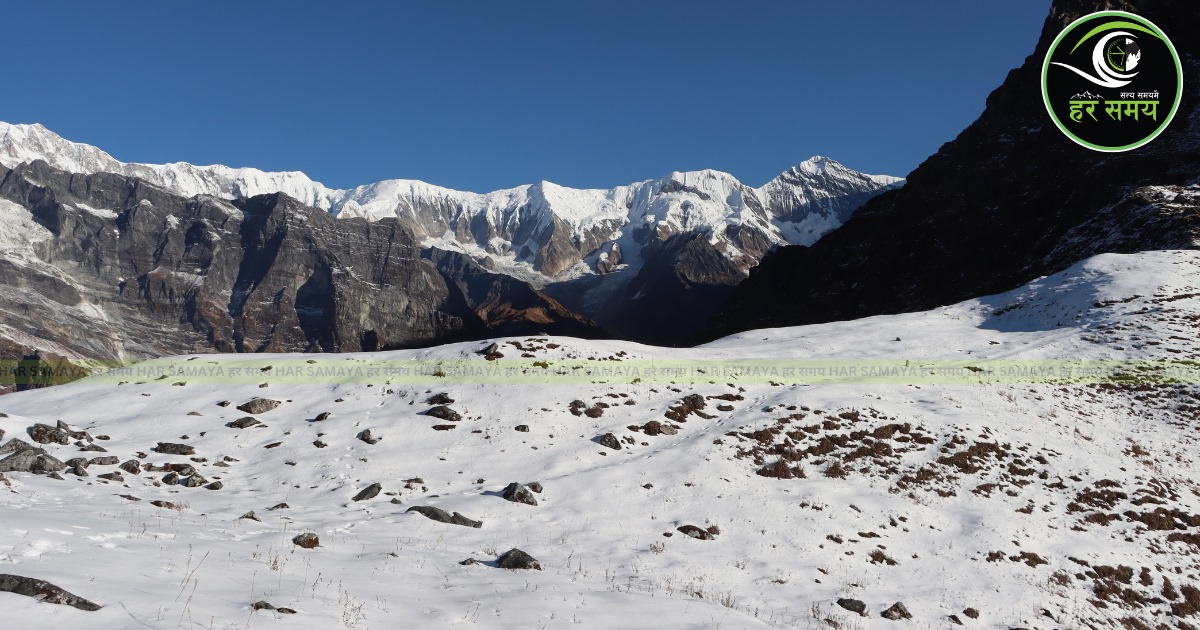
(479,95)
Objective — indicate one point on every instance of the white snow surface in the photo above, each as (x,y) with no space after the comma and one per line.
(786,551)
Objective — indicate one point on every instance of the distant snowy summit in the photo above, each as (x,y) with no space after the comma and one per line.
(650,261)
(539,232)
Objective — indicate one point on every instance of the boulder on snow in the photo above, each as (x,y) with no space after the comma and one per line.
(33,460)
(516,559)
(695,532)
(445,413)
(168,448)
(518,493)
(307,541)
(258,405)
(853,605)
(370,492)
(441,516)
(46,434)
(896,612)
(43,591)
(611,441)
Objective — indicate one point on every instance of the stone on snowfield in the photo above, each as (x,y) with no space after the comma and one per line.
(445,413)
(43,591)
(516,559)
(853,605)
(610,441)
(307,541)
(518,493)
(258,405)
(896,612)
(168,448)
(370,492)
(34,460)
(695,532)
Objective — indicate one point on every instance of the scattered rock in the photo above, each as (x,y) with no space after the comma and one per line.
(368,438)
(523,428)
(274,445)
(46,434)
(443,427)
(896,612)
(195,481)
(33,460)
(370,492)
(133,467)
(250,516)
(93,447)
(321,417)
(107,460)
(611,441)
(319,444)
(194,413)
(516,559)
(695,532)
(535,486)
(171,478)
(278,506)
(183,469)
(112,476)
(654,427)
(518,493)
(43,591)
(469,562)
(166,505)
(216,485)
(79,471)
(441,516)
(77,462)
(243,423)
(258,406)
(168,448)
(224,403)
(14,445)
(440,399)
(307,541)
(853,605)
(262,605)
(444,413)
(492,348)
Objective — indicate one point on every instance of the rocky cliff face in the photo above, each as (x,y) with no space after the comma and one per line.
(111,267)
(1009,200)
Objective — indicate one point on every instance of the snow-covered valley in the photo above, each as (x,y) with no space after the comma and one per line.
(989,506)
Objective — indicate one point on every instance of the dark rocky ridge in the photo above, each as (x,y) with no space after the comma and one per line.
(169,275)
(1010,199)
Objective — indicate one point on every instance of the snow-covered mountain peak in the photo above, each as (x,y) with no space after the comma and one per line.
(546,227)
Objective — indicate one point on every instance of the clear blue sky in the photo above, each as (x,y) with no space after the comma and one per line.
(479,95)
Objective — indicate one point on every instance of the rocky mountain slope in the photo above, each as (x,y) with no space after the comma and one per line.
(1010,199)
(753,500)
(106,266)
(584,247)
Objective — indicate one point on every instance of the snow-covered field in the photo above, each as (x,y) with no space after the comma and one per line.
(1032,506)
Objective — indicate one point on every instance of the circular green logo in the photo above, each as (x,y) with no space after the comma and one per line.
(1112,81)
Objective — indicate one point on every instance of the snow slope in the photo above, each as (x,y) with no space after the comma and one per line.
(1032,505)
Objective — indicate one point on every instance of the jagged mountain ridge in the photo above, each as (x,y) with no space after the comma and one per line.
(586,248)
(541,229)
(105,266)
(1010,199)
